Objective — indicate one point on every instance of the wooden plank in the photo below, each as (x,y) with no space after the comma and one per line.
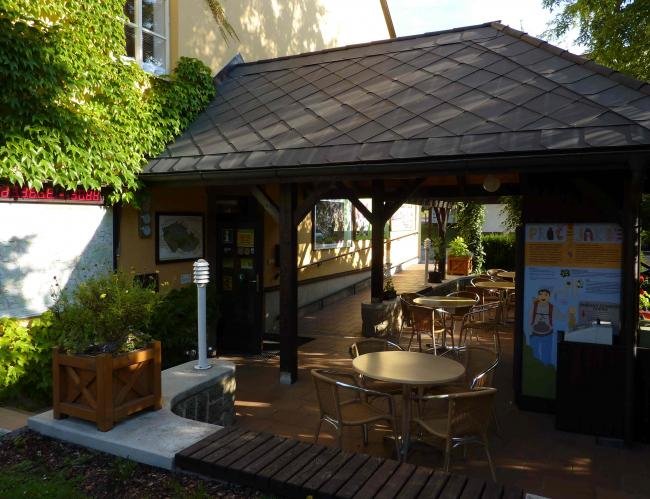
(492,491)
(265,474)
(454,487)
(331,487)
(229,448)
(377,480)
(278,479)
(105,414)
(327,472)
(359,479)
(435,484)
(254,467)
(245,449)
(416,483)
(397,481)
(237,470)
(205,441)
(266,202)
(473,488)
(295,484)
(217,443)
(85,363)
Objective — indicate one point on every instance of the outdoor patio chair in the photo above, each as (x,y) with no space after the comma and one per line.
(482,319)
(494,272)
(424,323)
(343,402)
(375,345)
(405,301)
(466,420)
(458,313)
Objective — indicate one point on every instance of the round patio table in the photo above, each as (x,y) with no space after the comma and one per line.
(503,285)
(408,369)
(446,302)
(507,275)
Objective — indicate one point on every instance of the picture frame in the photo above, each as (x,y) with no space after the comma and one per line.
(332,224)
(179,237)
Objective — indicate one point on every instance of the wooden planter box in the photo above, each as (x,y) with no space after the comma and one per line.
(104,388)
(459,265)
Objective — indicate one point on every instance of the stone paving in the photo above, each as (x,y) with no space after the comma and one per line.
(528,453)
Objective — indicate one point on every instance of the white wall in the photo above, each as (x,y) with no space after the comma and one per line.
(493,218)
(41,242)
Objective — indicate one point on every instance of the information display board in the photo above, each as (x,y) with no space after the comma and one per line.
(572,285)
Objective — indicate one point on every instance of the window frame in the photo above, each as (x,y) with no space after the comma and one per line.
(139,30)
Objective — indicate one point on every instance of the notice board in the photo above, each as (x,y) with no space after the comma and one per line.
(572,286)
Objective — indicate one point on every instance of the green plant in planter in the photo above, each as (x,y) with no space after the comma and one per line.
(106,314)
(458,247)
(389,289)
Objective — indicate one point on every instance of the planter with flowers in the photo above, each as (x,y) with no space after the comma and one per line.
(459,260)
(106,367)
(644,299)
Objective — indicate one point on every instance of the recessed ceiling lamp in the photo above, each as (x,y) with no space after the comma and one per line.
(491,183)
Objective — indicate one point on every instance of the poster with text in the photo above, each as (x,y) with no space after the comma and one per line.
(572,284)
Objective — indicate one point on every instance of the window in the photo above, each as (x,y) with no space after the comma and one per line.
(147,34)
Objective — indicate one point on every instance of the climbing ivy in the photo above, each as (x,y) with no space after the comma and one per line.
(470,217)
(73,110)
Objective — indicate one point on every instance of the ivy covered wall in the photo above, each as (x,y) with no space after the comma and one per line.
(73,111)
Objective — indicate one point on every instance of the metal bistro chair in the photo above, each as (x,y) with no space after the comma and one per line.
(375,345)
(495,272)
(424,323)
(466,421)
(459,312)
(480,319)
(344,403)
(405,301)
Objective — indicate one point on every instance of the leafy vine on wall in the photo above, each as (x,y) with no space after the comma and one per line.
(470,217)
(73,110)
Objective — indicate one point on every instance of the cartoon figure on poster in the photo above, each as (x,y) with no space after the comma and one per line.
(541,338)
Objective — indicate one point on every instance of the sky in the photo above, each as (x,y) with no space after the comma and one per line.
(412,17)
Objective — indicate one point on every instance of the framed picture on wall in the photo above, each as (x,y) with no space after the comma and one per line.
(179,237)
(332,224)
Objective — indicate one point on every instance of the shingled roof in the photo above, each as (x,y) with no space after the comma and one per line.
(471,92)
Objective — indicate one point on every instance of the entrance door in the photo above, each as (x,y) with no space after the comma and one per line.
(239,278)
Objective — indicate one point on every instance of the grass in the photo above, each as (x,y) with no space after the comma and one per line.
(29,480)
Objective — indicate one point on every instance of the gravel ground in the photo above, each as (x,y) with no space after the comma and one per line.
(95,474)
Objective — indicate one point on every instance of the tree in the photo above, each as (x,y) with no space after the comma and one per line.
(470,217)
(74,111)
(616,32)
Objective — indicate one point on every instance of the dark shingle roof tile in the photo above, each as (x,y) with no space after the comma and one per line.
(484,89)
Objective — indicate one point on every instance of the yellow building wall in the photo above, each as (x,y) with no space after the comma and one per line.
(271,28)
(138,254)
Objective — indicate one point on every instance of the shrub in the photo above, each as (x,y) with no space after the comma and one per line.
(458,247)
(499,251)
(109,313)
(174,322)
(26,360)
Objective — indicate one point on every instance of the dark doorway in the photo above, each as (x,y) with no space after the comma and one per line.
(239,275)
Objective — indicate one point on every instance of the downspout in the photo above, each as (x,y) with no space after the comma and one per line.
(387,18)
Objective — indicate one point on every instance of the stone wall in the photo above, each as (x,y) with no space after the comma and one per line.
(213,404)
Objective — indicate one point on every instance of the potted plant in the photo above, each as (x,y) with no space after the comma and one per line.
(644,300)
(389,289)
(459,257)
(106,367)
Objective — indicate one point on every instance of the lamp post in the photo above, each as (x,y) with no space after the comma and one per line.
(427,247)
(201,279)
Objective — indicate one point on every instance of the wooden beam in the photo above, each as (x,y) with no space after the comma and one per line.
(377,240)
(266,202)
(354,199)
(305,206)
(400,196)
(288,285)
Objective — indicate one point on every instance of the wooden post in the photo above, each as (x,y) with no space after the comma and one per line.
(56,385)
(633,185)
(378,221)
(288,285)
(157,366)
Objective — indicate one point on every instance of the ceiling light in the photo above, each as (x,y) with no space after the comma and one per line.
(491,183)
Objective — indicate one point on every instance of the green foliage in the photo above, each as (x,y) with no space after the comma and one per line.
(458,247)
(499,251)
(27,480)
(174,322)
(75,112)
(26,359)
(470,217)
(511,212)
(109,313)
(616,32)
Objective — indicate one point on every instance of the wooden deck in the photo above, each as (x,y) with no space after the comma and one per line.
(290,468)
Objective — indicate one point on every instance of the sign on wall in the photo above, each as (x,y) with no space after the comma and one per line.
(572,285)
(41,244)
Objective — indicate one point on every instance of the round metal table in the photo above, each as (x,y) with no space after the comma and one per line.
(446,302)
(409,369)
(507,275)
